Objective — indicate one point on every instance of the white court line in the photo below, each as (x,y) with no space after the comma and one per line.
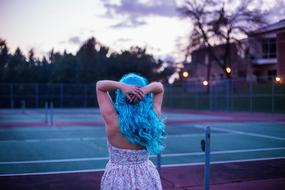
(152,156)
(56,139)
(224,162)
(164,165)
(240,132)
(224,152)
(91,138)
(55,160)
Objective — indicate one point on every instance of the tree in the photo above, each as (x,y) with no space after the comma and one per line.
(92,62)
(64,70)
(135,60)
(4,57)
(218,22)
(31,58)
(15,68)
(92,58)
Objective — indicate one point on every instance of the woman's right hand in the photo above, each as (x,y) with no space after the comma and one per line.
(132,92)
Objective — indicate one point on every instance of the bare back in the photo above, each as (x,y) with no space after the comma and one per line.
(115,137)
(110,117)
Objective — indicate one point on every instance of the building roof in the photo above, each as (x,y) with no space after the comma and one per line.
(271,27)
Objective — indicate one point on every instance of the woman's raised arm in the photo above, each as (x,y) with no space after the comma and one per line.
(104,100)
(157,89)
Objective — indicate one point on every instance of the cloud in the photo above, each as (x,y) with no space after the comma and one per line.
(75,40)
(134,11)
(166,8)
(124,40)
(129,23)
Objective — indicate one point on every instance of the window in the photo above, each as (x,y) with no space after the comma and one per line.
(269,48)
(271,74)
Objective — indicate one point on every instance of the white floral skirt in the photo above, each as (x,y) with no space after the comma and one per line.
(130,170)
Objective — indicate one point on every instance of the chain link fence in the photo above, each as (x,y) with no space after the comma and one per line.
(228,95)
(221,95)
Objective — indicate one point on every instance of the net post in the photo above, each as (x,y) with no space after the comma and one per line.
(158,163)
(207,159)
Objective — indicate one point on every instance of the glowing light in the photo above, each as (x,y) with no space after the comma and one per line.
(205,83)
(278,79)
(185,74)
(228,70)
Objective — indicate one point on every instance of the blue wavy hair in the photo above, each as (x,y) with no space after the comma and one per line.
(139,122)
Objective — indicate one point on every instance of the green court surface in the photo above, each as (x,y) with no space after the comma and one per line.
(48,149)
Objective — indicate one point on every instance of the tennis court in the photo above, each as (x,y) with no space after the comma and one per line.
(76,142)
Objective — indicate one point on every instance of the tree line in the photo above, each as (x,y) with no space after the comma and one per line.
(92,62)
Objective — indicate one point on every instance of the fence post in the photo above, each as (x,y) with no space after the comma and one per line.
(228,94)
(37,94)
(11,96)
(250,96)
(196,100)
(273,97)
(51,113)
(215,98)
(85,95)
(46,112)
(23,102)
(232,96)
(61,94)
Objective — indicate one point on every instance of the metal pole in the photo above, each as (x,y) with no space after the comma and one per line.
(228,94)
(61,95)
(196,100)
(51,113)
(85,95)
(46,112)
(11,96)
(210,96)
(158,166)
(250,96)
(214,98)
(273,97)
(37,95)
(205,145)
(23,106)
(232,95)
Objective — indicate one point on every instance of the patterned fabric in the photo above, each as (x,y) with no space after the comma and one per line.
(129,170)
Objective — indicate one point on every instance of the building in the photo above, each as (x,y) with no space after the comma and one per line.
(204,66)
(267,51)
(262,58)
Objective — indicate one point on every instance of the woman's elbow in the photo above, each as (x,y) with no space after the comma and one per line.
(99,85)
(161,88)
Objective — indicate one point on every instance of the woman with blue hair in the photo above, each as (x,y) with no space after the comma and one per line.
(134,129)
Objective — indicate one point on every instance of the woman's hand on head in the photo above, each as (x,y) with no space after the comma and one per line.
(132,92)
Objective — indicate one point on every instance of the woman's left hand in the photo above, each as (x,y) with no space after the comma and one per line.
(132,92)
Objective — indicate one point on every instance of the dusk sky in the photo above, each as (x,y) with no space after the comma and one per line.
(119,24)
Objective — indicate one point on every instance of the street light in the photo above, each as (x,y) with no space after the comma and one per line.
(228,70)
(277,79)
(205,83)
(185,74)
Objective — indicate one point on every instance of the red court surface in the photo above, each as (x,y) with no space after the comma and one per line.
(252,175)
